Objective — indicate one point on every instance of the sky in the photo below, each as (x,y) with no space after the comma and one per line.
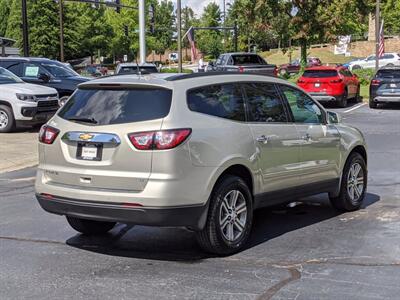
(198,5)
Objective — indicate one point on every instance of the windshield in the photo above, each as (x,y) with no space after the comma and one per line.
(390,74)
(134,70)
(8,77)
(320,73)
(247,60)
(59,70)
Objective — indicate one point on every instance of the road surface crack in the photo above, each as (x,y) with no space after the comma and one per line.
(18,239)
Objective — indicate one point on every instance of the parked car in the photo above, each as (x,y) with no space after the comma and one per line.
(242,63)
(45,72)
(295,66)
(133,68)
(385,87)
(388,59)
(330,84)
(200,151)
(24,103)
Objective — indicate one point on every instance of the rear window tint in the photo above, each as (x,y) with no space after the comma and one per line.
(320,73)
(134,70)
(388,74)
(247,59)
(108,107)
(224,101)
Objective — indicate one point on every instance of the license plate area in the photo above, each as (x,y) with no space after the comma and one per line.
(89,151)
(317,85)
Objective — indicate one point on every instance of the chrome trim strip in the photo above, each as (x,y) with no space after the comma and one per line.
(104,138)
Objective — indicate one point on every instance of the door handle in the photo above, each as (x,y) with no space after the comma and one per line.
(263,139)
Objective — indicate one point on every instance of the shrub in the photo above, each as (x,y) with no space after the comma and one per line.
(175,70)
(365,75)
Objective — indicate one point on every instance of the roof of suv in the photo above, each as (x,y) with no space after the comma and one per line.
(166,79)
(38,59)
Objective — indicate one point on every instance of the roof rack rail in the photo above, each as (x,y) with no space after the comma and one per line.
(206,74)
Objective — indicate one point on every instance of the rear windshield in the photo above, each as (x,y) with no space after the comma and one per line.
(320,73)
(247,60)
(106,107)
(134,70)
(388,74)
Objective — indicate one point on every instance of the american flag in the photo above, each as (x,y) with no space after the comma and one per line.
(193,52)
(381,50)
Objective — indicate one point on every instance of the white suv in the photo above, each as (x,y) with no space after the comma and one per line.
(388,59)
(197,151)
(24,103)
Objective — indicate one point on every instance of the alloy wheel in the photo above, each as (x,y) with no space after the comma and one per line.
(3,119)
(233,215)
(355,182)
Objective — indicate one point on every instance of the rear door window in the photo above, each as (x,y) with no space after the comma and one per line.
(247,59)
(107,107)
(220,100)
(320,73)
(264,103)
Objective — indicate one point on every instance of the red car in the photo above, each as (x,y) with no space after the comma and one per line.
(328,83)
(294,66)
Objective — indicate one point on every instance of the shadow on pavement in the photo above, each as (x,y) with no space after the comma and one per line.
(350,104)
(178,244)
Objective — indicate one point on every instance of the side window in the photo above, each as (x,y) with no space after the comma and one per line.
(222,100)
(223,59)
(303,108)
(218,62)
(388,56)
(16,69)
(264,103)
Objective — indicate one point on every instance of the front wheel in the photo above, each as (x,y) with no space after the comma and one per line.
(7,120)
(353,185)
(230,217)
(90,227)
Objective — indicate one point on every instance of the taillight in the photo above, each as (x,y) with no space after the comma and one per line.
(337,80)
(375,82)
(48,134)
(241,69)
(159,140)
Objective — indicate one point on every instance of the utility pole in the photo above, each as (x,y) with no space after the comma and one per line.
(61,17)
(142,31)
(377,29)
(25,35)
(179,28)
(224,24)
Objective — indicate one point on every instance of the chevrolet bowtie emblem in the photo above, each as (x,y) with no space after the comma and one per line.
(86,136)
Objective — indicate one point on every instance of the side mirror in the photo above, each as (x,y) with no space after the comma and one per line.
(44,77)
(333,118)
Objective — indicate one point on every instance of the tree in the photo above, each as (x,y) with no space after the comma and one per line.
(209,42)
(14,23)
(391,16)
(5,6)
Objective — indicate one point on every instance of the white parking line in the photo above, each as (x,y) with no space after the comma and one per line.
(354,108)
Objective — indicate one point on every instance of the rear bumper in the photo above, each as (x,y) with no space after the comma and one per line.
(323,97)
(193,217)
(393,99)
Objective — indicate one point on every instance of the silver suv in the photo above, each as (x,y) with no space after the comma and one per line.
(197,151)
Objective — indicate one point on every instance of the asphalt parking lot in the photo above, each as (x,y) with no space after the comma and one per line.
(306,252)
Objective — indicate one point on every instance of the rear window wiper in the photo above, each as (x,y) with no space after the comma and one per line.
(84,120)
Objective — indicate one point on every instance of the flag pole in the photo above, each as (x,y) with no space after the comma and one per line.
(377,33)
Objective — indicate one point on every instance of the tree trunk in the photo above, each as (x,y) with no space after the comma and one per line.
(303,52)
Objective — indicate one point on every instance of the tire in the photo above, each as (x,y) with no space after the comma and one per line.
(347,200)
(390,65)
(90,227)
(343,100)
(7,120)
(227,239)
(373,104)
(356,67)
(358,97)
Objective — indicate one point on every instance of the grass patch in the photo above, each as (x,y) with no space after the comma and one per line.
(324,54)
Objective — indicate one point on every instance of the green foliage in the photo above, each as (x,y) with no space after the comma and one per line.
(175,70)
(5,6)
(365,75)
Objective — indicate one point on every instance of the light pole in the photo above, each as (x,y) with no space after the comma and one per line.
(377,29)
(142,31)
(179,29)
(25,35)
